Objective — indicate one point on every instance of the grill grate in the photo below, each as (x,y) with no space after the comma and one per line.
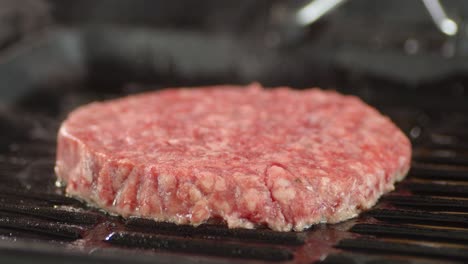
(54,214)
(25,196)
(217,232)
(194,245)
(425,218)
(51,228)
(419,217)
(410,232)
(354,258)
(439,189)
(429,203)
(440,172)
(380,246)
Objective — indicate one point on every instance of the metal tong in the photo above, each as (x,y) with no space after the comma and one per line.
(313,11)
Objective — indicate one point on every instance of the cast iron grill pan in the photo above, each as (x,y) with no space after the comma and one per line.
(424,220)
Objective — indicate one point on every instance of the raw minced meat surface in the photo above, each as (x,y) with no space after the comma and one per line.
(279,157)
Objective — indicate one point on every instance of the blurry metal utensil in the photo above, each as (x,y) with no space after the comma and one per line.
(289,20)
(315,10)
(444,23)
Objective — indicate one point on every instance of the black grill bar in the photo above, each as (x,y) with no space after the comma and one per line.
(449,140)
(57,214)
(218,232)
(439,172)
(353,258)
(374,246)
(438,189)
(402,231)
(57,229)
(31,235)
(419,217)
(428,203)
(199,246)
(54,199)
(441,156)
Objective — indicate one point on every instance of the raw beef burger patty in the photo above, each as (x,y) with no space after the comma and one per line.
(251,156)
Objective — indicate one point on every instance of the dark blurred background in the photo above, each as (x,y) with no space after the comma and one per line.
(115,46)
